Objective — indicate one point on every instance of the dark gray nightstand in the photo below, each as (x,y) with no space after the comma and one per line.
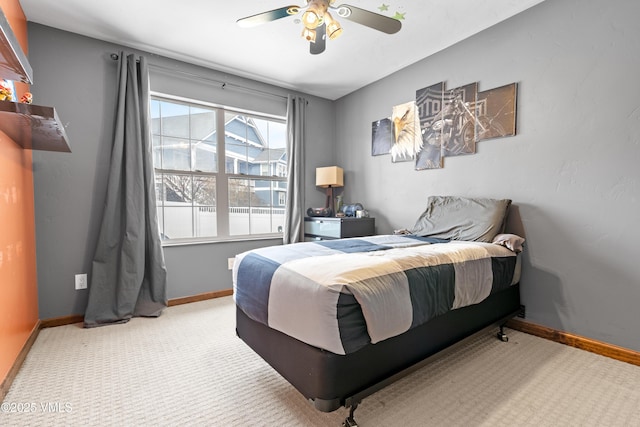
(326,228)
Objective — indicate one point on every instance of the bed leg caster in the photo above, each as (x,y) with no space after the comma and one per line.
(502,336)
(350,421)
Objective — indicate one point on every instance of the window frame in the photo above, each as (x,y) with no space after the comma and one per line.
(222,178)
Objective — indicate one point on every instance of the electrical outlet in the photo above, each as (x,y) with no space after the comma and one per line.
(81,281)
(230,262)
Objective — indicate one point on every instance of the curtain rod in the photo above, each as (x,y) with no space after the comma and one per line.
(223,85)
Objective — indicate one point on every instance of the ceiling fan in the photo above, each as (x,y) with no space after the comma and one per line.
(319,23)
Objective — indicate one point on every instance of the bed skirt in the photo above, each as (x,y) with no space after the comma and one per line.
(329,380)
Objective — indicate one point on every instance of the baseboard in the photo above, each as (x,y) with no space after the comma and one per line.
(17,364)
(79,318)
(577,341)
(61,321)
(200,297)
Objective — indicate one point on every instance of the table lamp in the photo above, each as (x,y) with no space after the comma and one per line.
(330,177)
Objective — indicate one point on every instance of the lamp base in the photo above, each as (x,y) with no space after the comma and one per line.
(329,204)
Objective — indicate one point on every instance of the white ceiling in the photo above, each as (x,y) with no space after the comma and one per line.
(205,32)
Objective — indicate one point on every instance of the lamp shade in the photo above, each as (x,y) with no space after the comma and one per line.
(330,176)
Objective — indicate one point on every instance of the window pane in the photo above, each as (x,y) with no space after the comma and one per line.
(178,221)
(203,124)
(205,221)
(176,202)
(160,203)
(204,190)
(236,144)
(154,109)
(273,157)
(280,194)
(176,154)
(157,151)
(177,189)
(205,156)
(160,194)
(277,135)
(203,140)
(174,119)
(204,200)
(239,206)
(260,215)
(262,191)
(277,212)
(278,147)
(238,192)
(236,157)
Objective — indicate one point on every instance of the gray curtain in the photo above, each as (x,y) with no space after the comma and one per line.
(294,215)
(128,275)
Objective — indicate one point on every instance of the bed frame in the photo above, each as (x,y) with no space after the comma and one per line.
(331,381)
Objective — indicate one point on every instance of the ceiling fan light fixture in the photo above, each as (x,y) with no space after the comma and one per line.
(313,17)
(311,20)
(309,35)
(334,29)
(334,33)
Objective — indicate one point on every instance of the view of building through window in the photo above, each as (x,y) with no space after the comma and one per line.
(201,196)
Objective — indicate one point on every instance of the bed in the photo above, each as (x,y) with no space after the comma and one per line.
(340,319)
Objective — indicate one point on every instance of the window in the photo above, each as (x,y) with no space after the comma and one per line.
(204,196)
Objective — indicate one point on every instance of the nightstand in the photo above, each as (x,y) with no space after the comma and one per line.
(327,228)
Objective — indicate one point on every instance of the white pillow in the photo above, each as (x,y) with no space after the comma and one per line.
(512,242)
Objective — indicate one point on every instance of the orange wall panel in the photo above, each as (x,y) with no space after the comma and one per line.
(18,279)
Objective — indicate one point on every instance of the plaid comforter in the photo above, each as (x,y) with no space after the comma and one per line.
(339,295)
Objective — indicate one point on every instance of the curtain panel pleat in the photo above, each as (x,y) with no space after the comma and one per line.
(128,276)
(294,212)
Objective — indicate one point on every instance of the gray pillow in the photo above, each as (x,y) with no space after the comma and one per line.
(462,218)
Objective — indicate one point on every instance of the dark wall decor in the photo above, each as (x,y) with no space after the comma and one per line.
(445,123)
(496,112)
(455,123)
(429,101)
(381,137)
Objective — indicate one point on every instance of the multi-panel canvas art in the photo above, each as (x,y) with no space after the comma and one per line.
(381,137)
(445,123)
(458,121)
(496,112)
(405,129)
(429,102)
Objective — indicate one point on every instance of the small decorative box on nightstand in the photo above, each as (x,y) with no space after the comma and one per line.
(323,228)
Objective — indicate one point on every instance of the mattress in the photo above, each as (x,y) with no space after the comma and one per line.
(340,295)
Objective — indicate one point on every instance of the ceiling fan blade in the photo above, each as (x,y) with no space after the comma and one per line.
(321,40)
(370,19)
(264,17)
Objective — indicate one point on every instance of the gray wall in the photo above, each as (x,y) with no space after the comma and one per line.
(572,168)
(75,75)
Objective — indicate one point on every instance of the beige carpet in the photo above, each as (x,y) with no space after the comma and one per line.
(188,368)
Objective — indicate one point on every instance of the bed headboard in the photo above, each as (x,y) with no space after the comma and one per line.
(514,223)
